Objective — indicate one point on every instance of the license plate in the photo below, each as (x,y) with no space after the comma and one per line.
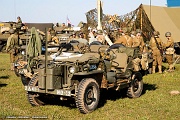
(64,92)
(34,89)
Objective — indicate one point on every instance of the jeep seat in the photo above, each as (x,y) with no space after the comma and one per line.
(95,48)
(120,62)
(129,51)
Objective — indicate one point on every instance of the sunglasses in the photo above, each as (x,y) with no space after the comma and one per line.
(168,36)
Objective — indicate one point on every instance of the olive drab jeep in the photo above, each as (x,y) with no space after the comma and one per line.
(81,72)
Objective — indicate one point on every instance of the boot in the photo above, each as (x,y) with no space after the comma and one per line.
(171,69)
(12,66)
(154,69)
(160,68)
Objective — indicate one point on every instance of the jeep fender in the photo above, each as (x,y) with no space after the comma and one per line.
(138,75)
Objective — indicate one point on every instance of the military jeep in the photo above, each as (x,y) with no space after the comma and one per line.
(81,74)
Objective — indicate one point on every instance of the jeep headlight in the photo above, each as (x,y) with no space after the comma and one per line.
(23,53)
(72,69)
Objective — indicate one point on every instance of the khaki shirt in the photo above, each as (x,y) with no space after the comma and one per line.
(169,46)
(153,45)
(123,40)
(100,38)
(170,43)
(138,42)
(129,42)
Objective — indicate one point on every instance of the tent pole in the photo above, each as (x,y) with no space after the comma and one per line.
(141,17)
(150,10)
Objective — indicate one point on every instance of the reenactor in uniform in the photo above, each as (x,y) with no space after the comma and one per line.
(138,45)
(138,42)
(19,24)
(51,36)
(130,41)
(12,47)
(124,38)
(156,46)
(169,46)
(100,37)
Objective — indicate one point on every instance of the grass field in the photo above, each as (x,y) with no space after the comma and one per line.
(155,103)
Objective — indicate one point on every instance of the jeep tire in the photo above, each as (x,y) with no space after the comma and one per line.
(35,99)
(87,96)
(136,86)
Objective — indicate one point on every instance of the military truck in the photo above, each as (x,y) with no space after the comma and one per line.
(80,72)
(4,33)
(24,32)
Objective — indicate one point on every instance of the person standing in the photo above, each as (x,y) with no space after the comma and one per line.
(100,37)
(156,46)
(138,42)
(169,46)
(18,23)
(123,39)
(12,47)
(82,39)
(130,40)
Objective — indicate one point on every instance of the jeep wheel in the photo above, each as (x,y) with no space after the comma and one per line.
(87,96)
(35,99)
(25,80)
(136,86)
(16,71)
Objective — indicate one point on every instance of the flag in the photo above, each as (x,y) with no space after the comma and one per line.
(68,22)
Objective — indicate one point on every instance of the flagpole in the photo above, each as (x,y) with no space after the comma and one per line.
(67,20)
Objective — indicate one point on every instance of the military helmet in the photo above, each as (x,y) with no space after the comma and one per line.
(124,30)
(99,32)
(168,34)
(11,31)
(156,33)
(133,32)
(138,31)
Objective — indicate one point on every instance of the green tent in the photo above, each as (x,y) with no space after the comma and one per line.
(164,19)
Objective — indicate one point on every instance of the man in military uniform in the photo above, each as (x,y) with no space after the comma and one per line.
(100,37)
(51,36)
(82,39)
(19,24)
(124,38)
(156,46)
(12,47)
(169,50)
(138,41)
(138,45)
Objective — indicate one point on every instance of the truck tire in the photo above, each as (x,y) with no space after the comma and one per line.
(35,99)
(87,96)
(136,86)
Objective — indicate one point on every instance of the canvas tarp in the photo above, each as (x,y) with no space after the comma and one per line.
(40,26)
(164,19)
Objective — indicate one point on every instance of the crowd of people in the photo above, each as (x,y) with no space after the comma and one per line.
(133,39)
